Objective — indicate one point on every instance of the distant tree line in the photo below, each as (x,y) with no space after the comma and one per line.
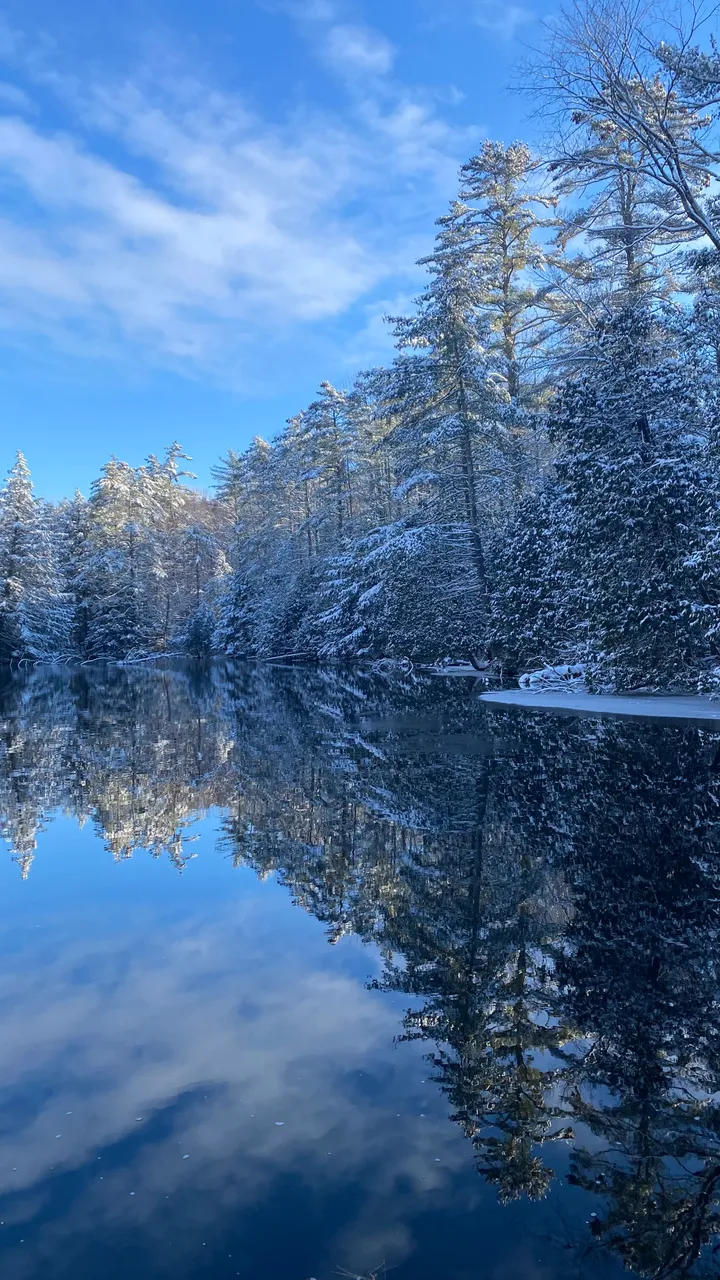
(534,480)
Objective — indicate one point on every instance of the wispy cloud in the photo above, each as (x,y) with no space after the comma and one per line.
(358,49)
(373,342)
(503,20)
(211,1034)
(244,227)
(170,219)
(12,96)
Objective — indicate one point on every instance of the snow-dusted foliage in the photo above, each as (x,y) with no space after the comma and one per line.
(35,613)
(636,467)
(132,571)
(394,593)
(532,621)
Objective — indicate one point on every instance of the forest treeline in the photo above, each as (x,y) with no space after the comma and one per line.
(534,479)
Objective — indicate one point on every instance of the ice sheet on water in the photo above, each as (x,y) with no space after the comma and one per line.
(690,707)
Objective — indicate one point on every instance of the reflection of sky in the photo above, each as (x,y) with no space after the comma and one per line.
(148,1017)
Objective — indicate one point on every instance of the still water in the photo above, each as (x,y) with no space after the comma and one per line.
(312,973)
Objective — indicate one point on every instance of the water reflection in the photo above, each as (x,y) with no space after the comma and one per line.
(544,893)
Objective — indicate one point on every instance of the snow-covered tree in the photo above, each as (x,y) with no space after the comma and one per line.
(533,621)
(508,211)
(35,615)
(627,106)
(640,484)
(450,445)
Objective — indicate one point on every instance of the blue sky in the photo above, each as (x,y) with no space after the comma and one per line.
(207,208)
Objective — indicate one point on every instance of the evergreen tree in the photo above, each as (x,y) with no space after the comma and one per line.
(73,534)
(118,565)
(628,223)
(506,205)
(450,445)
(34,610)
(626,105)
(325,439)
(533,622)
(637,472)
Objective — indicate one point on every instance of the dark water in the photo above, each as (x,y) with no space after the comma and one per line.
(307,973)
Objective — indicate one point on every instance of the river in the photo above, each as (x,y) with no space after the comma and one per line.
(308,973)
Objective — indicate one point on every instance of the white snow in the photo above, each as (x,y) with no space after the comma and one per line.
(690,707)
(555,679)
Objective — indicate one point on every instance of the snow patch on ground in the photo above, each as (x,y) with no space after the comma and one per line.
(555,680)
(671,708)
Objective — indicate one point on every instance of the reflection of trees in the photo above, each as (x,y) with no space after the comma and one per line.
(545,889)
(640,970)
(35,725)
(136,755)
(475,948)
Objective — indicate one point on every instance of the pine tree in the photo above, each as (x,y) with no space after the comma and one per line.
(199,635)
(162,503)
(636,468)
(73,534)
(533,622)
(626,102)
(34,611)
(506,249)
(118,566)
(325,439)
(450,447)
(627,224)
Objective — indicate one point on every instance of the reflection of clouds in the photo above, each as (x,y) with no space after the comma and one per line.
(211,1030)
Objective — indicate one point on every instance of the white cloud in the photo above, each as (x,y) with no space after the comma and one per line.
(170,220)
(358,49)
(12,96)
(502,20)
(373,342)
(213,1034)
(247,231)
(306,10)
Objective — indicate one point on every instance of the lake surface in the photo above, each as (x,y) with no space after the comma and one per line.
(307,973)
